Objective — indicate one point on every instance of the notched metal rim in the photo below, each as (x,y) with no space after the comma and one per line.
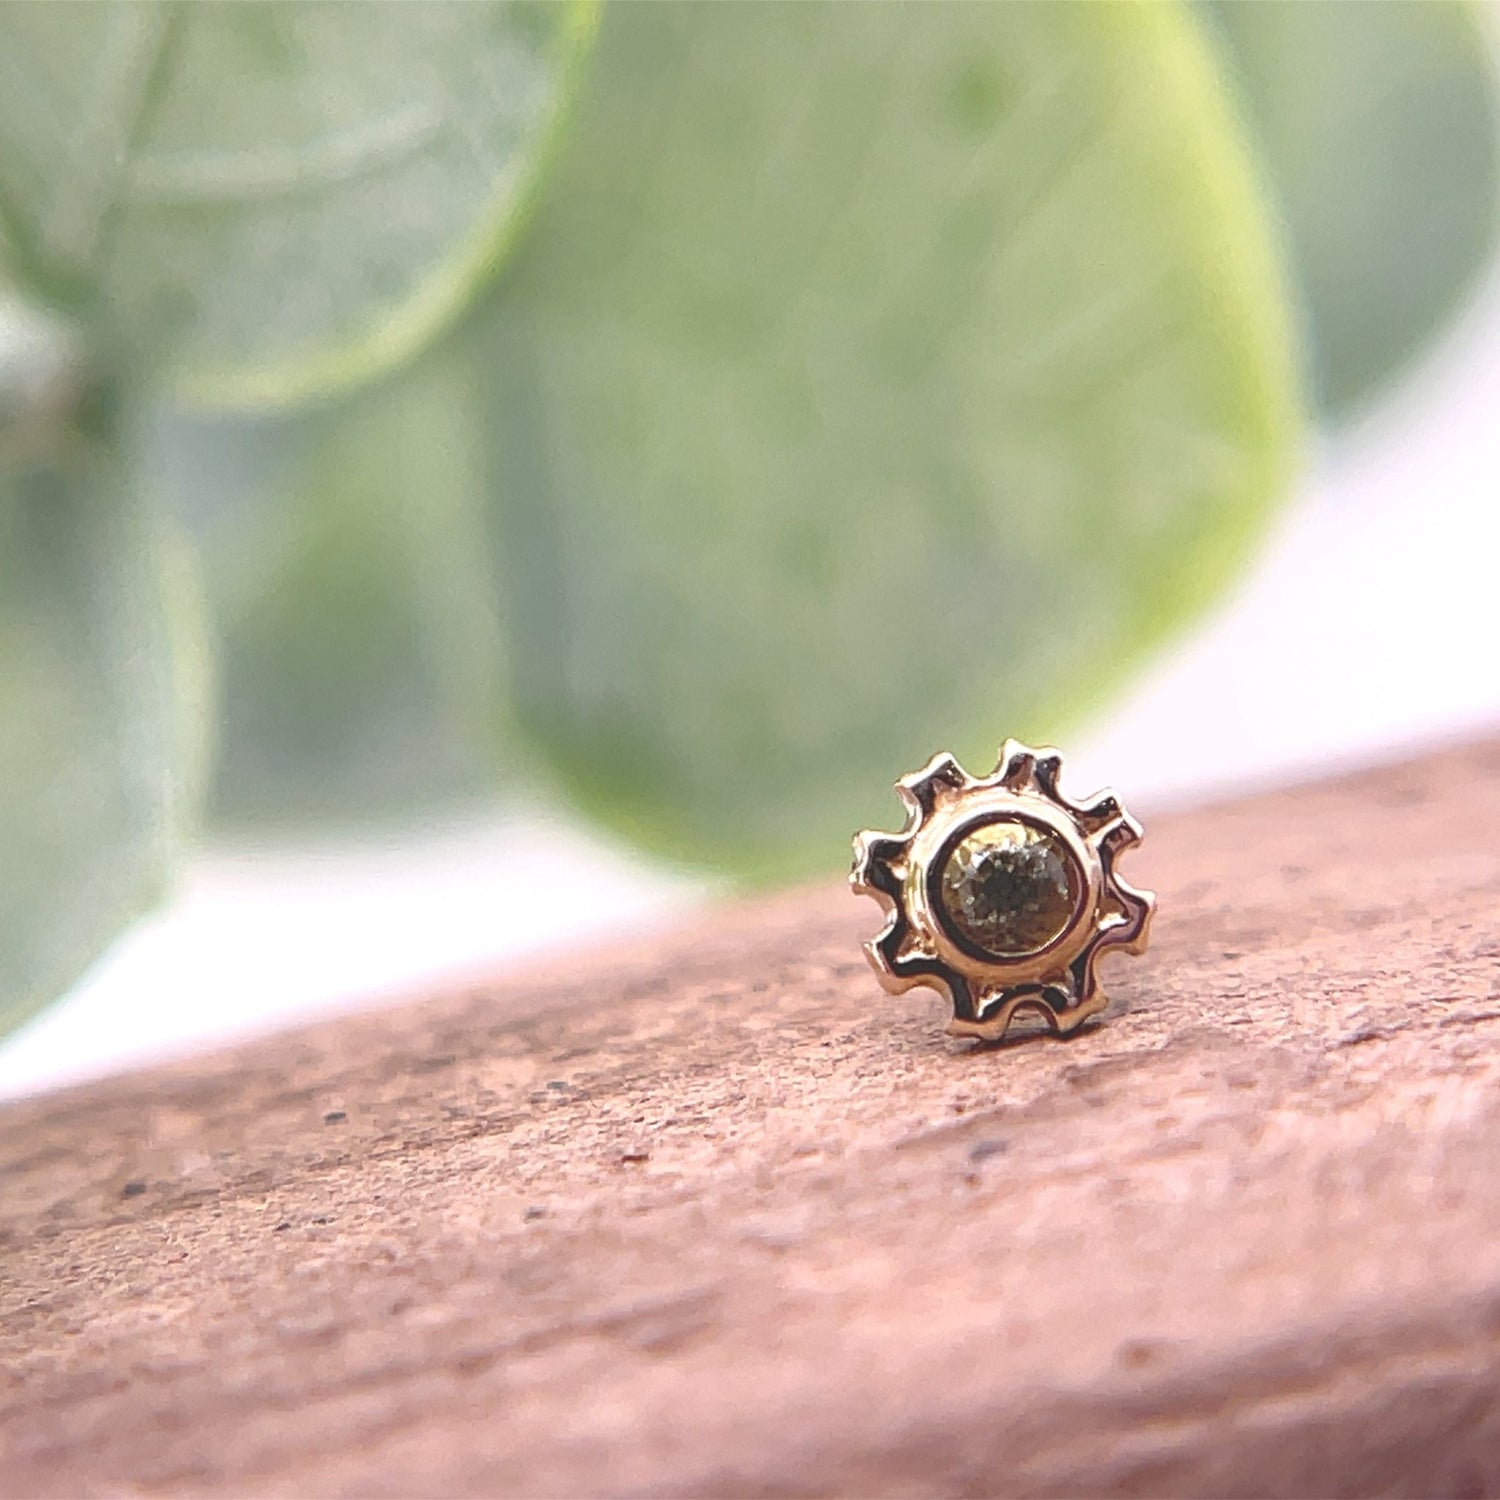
(943,803)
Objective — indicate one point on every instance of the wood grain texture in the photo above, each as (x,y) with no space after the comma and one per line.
(715,1216)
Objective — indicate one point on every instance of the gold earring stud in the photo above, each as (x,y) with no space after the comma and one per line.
(1002,892)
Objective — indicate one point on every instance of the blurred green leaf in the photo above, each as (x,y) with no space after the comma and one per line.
(873,379)
(344,554)
(268,200)
(1378,125)
(100,685)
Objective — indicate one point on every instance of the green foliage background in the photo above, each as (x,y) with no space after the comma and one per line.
(704,409)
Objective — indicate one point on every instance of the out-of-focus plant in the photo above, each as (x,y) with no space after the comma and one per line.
(1376,123)
(708,408)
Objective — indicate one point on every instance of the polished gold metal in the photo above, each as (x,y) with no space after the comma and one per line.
(1002,892)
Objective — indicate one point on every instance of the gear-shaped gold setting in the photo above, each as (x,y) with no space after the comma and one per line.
(1002,892)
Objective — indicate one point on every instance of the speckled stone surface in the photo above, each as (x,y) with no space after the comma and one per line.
(1009,888)
(709,1214)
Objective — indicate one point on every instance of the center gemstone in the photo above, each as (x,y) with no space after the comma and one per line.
(1009,888)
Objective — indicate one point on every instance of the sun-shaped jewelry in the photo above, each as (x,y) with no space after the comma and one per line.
(1002,892)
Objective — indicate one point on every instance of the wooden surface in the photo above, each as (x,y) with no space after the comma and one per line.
(715,1216)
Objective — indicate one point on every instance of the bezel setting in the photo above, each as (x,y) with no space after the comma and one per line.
(920,944)
(1080,884)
